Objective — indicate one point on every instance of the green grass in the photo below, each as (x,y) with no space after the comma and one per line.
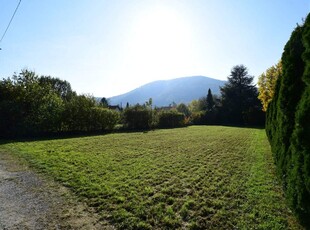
(200,177)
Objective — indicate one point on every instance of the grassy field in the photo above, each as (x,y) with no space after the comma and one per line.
(200,177)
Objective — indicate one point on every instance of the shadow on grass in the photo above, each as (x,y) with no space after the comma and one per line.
(51,136)
(244,126)
(79,134)
(66,135)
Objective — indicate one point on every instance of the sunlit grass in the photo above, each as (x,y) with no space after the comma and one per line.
(190,178)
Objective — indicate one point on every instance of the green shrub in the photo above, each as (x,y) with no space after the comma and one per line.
(170,119)
(198,118)
(137,117)
(103,119)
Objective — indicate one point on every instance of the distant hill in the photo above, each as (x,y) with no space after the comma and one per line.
(165,92)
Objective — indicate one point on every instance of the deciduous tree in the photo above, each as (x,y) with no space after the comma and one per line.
(182,108)
(266,84)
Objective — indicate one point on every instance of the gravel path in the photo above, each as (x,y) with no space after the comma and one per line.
(27,201)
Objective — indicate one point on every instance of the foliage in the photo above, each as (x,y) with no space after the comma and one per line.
(149,103)
(212,117)
(27,106)
(210,101)
(202,104)
(206,110)
(287,124)
(137,117)
(77,114)
(182,108)
(48,114)
(199,105)
(168,179)
(60,87)
(104,102)
(198,118)
(266,84)
(170,119)
(103,119)
(34,105)
(239,97)
(194,106)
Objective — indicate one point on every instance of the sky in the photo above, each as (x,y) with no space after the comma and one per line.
(109,47)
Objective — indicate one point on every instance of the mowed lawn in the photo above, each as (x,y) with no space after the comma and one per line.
(199,177)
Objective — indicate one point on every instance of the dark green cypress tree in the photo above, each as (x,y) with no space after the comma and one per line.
(210,101)
(288,121)
(290,90)
(271,120)
(299,175)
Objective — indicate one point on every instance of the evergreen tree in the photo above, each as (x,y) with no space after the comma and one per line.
(239,97)
(104,102)
(288,121)
(210,101)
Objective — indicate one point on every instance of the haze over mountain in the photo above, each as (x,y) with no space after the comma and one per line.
(165,92)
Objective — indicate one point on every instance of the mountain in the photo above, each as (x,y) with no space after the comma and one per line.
(165,92)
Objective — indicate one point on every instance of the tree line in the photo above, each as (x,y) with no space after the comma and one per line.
(33,105)
(238,105)
(285,93)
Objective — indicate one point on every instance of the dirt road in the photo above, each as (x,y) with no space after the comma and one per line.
(27,201)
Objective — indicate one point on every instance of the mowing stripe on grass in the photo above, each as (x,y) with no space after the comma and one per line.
(200,177)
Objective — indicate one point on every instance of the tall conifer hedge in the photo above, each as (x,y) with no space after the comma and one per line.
(288,121)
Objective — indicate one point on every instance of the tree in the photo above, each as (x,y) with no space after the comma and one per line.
(210,101)
(182,108)
(28,107)
(239,97)
(149,103)
(267,82)
(288,121)
(194,106)
(32,105)
(104,102)
(11,107)
(60,87)
(77,114)
(49,113)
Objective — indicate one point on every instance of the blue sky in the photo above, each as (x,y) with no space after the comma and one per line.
(108,47)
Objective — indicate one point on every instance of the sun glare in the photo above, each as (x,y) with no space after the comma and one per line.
(160,39)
